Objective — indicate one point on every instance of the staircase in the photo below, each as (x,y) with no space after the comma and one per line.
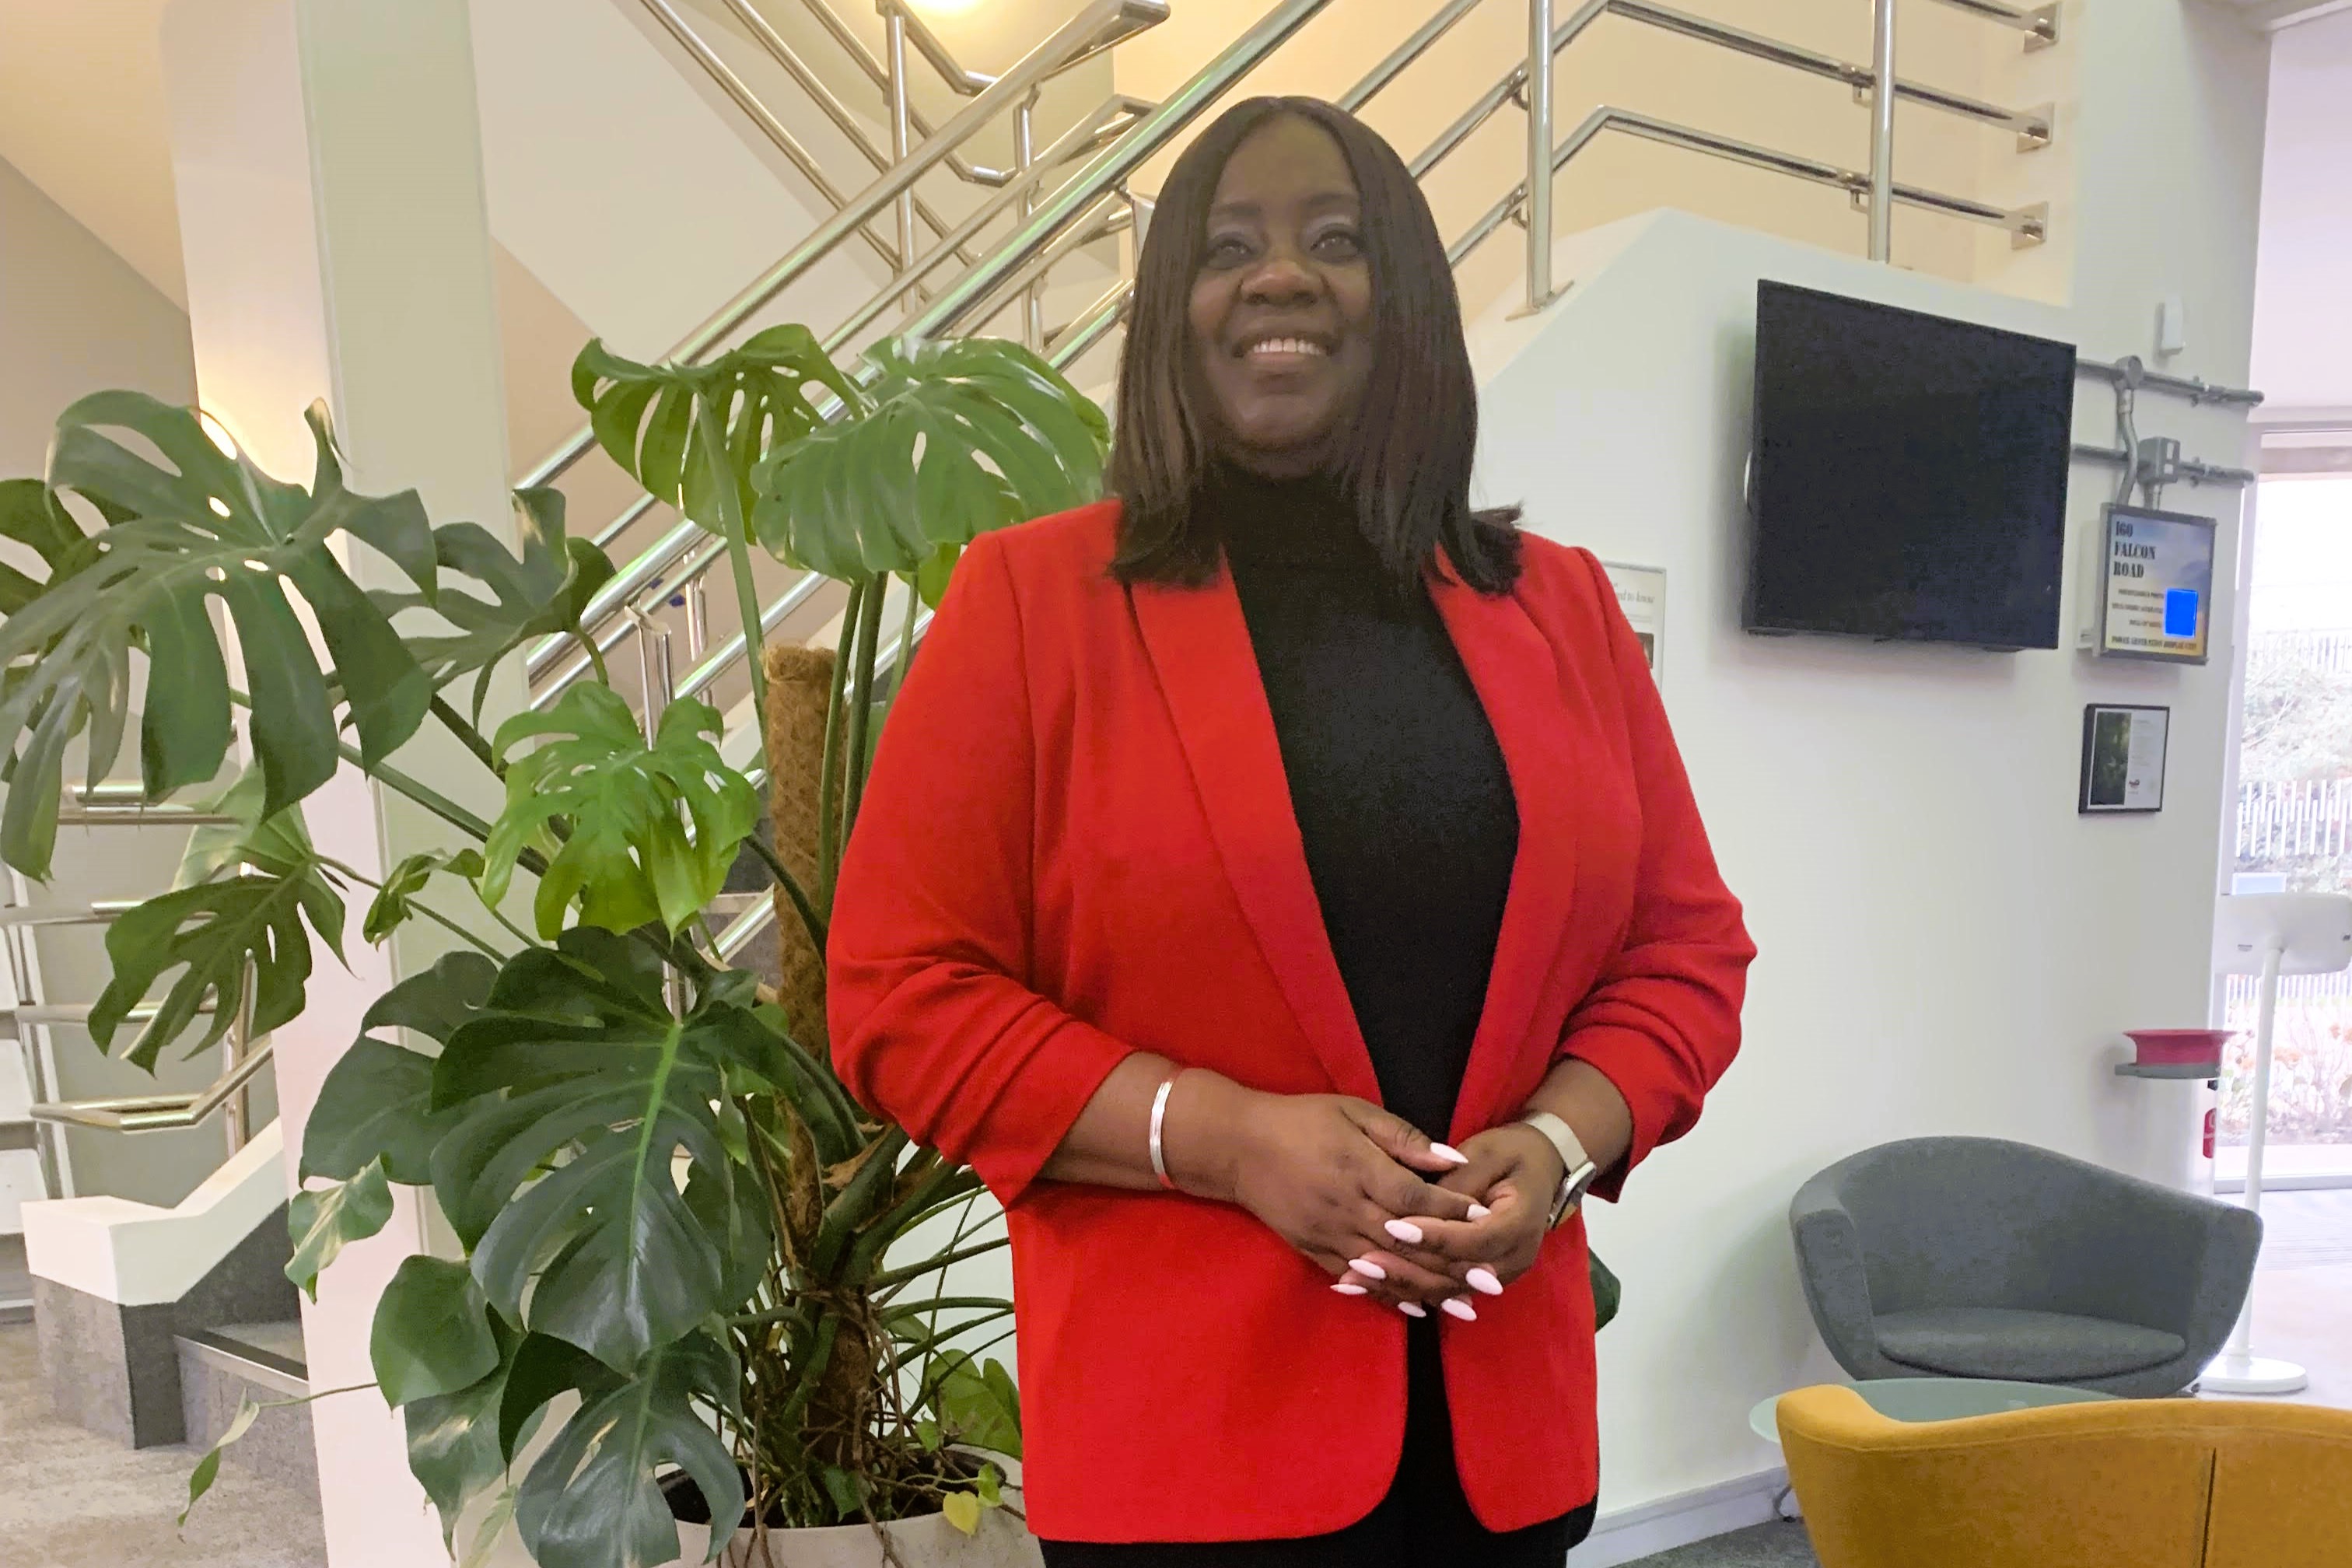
(942,200)
(1040,245)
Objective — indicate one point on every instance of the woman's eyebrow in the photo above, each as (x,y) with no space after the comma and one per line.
(1320,202)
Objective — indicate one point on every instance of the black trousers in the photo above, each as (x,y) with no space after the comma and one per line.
(1424,1522)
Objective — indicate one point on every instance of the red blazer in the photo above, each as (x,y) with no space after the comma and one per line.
(1077,843)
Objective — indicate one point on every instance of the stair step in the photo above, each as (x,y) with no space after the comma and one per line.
(221,1368)
(277,1346)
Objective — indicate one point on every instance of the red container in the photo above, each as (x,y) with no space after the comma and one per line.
(2179,1047)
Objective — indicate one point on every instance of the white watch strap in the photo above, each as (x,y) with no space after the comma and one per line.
(1577,1168)
(1564,1138)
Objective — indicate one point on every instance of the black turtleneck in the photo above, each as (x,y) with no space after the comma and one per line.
(1396,779)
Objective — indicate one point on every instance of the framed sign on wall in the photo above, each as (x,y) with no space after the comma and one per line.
(2123,758)
(1642,595)
(2155,585)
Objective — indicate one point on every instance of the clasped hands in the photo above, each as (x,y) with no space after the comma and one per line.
(1393,1218)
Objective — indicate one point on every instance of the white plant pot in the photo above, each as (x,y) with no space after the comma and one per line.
(930,1542)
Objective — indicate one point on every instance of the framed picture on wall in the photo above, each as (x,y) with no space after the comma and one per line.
(1642,595)
(2155,585)
(2123,758)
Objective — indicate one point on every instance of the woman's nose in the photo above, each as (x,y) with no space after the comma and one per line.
(1281,277)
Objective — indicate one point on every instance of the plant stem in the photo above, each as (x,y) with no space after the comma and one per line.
(513,929)
(454,928)
(861,709)
(899,666)
(828,839)
(736,529)
(431,799)
(595,657)
(457,725)
(890,1277)
(791,885)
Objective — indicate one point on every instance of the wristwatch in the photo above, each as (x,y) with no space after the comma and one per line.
(1578,1166)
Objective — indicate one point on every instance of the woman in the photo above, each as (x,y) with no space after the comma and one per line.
(1232,840)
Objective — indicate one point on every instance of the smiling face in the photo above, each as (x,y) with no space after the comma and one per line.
(1281,307)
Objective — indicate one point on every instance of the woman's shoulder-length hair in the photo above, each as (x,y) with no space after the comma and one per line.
(1405,466)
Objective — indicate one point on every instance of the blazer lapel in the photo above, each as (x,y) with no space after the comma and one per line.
(1517,680)
(1200,648)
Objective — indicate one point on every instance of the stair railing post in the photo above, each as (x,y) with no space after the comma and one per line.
(1540,116)
(1882,130)
(901,127)
(1024,153)
(660,687)
(236,1112)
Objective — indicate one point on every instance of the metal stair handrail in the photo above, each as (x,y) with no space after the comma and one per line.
(2028,226)
(1016,261)
(1072,39)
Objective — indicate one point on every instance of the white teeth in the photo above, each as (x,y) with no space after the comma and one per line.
(1286,346)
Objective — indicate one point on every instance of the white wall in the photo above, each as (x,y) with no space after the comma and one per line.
(620,189)
(2303,310)
(76,318)
(1947,947)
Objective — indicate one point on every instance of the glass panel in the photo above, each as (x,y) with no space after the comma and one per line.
(2294,816)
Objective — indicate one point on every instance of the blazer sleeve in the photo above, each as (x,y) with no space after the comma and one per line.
(1662,1020)
(932,1020)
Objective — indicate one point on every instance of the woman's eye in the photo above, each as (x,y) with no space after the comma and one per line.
(1225,249)
(1338,244)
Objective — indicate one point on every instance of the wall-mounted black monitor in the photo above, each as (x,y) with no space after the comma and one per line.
(1909,477)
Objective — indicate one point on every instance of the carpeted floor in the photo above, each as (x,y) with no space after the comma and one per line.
(1759,1546)
(70,1498)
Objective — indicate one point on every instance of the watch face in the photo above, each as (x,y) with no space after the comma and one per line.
(1572,1188)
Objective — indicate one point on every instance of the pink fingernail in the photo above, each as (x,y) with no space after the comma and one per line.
(1447,1151)
(1350,1287)
(1367,1269)
(1412,1309)
(1482,1280)
(1479,1211)
(1456,1307)
(1404,1230)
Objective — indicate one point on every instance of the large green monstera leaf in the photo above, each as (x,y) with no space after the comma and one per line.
(239,903)
(653,828)
(544,592)
(199,525)
(951,439)
(645,415)
(181,523)
(580,1087)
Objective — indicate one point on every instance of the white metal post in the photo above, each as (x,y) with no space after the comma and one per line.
(2237,1369)
(1882,130)
(901,128)
(1024,153)
(1540,111)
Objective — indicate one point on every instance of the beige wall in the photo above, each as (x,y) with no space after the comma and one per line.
(74,318)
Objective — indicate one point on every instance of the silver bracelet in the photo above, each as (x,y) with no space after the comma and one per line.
(1158,1119)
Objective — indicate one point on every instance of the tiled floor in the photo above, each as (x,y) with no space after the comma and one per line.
(2303,1293)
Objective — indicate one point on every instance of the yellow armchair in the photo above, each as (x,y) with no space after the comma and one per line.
(2158,1483)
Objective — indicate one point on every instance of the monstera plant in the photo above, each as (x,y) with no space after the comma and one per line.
(682,1253)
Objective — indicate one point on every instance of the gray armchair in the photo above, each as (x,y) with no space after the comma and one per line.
(1977,1258)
